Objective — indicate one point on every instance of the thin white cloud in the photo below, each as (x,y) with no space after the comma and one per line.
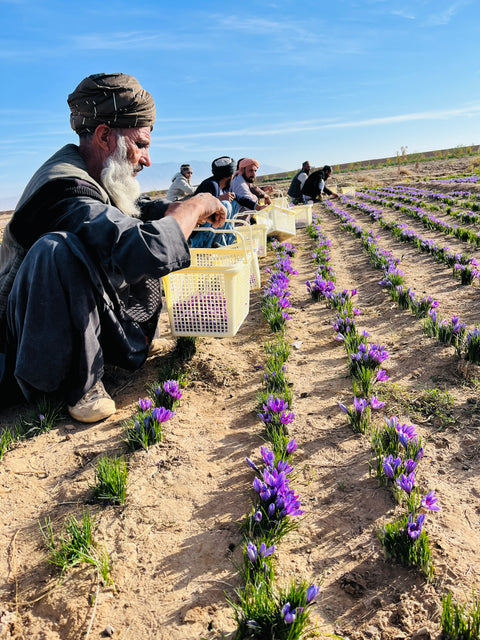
(297,127)
(443,17)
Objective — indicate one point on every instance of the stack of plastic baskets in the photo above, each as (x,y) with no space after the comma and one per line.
(255,233)
(283,222)
(212,296)
(281,201)
(251,244)
(303,214)
(260,231)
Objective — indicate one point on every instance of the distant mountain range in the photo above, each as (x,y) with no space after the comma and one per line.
(159,175)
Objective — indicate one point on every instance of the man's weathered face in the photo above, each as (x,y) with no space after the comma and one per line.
(138,144)
(249,173)
(307,168)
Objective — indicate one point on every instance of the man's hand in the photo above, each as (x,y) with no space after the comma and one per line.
(229,197)
(196,211)
(268,200)
(213,212)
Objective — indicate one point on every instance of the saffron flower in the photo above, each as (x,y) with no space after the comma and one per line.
(160,414)
(406,482)
(414,528)
(375,403)
(288,614)
(430,502)
(145,404)
(173,389)
(312,593)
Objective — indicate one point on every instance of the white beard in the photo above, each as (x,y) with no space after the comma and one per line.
(119,182)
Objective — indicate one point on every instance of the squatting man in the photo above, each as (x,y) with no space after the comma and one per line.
(82,258)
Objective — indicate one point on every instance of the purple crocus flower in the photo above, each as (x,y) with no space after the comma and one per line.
(264,551)
(257,516)
(312,593)
(288,614)
(382,375)
(375,403)
(275,405)
(430,502)
(414,528)
(410,466)
(271,510)
(252,464)
(160,414)
(286,418)
(360,404)
(390,466)
(252,552)
(268,456)
(173,389)
(291,446)
(145,404)
(343,408)
(406,482)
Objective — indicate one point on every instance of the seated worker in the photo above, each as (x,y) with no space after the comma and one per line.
(314,186)
(242,185)
(81,259)
(295,188)
(218,185)
(181,186)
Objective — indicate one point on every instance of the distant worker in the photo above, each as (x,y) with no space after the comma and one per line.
(295,188)
(218,184)
(181,186)
(314,186)
(246,192)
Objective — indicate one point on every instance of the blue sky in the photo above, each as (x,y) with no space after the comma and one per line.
(280,81)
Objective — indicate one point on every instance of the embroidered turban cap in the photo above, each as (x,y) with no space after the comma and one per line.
(114,99)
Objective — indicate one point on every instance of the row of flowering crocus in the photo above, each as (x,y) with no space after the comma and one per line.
(405,539)
(462,264)
(275,299)
(428,220)
(447,331)
(261,609)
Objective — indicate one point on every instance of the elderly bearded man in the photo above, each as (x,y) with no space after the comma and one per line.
(81,259)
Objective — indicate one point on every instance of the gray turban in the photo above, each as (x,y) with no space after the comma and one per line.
(114,99)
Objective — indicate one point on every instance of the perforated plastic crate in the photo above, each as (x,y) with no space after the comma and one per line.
(283,222)
(348,191)
(212,296)
(303,214)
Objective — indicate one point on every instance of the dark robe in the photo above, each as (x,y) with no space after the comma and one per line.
(79,281)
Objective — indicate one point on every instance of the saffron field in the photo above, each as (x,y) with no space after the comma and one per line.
(176,545)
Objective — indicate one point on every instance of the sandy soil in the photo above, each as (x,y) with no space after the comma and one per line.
(173,544)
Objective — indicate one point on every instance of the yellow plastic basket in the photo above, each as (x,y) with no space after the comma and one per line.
(260,231)
(247,232)
(303,214)
(348,191)
(283,222)
(212,296)
(280,201)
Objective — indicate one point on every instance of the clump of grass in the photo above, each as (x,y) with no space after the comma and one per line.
(45,417)
(111,479)
(8,437)
(460,621)
(75,545)
(434,404)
